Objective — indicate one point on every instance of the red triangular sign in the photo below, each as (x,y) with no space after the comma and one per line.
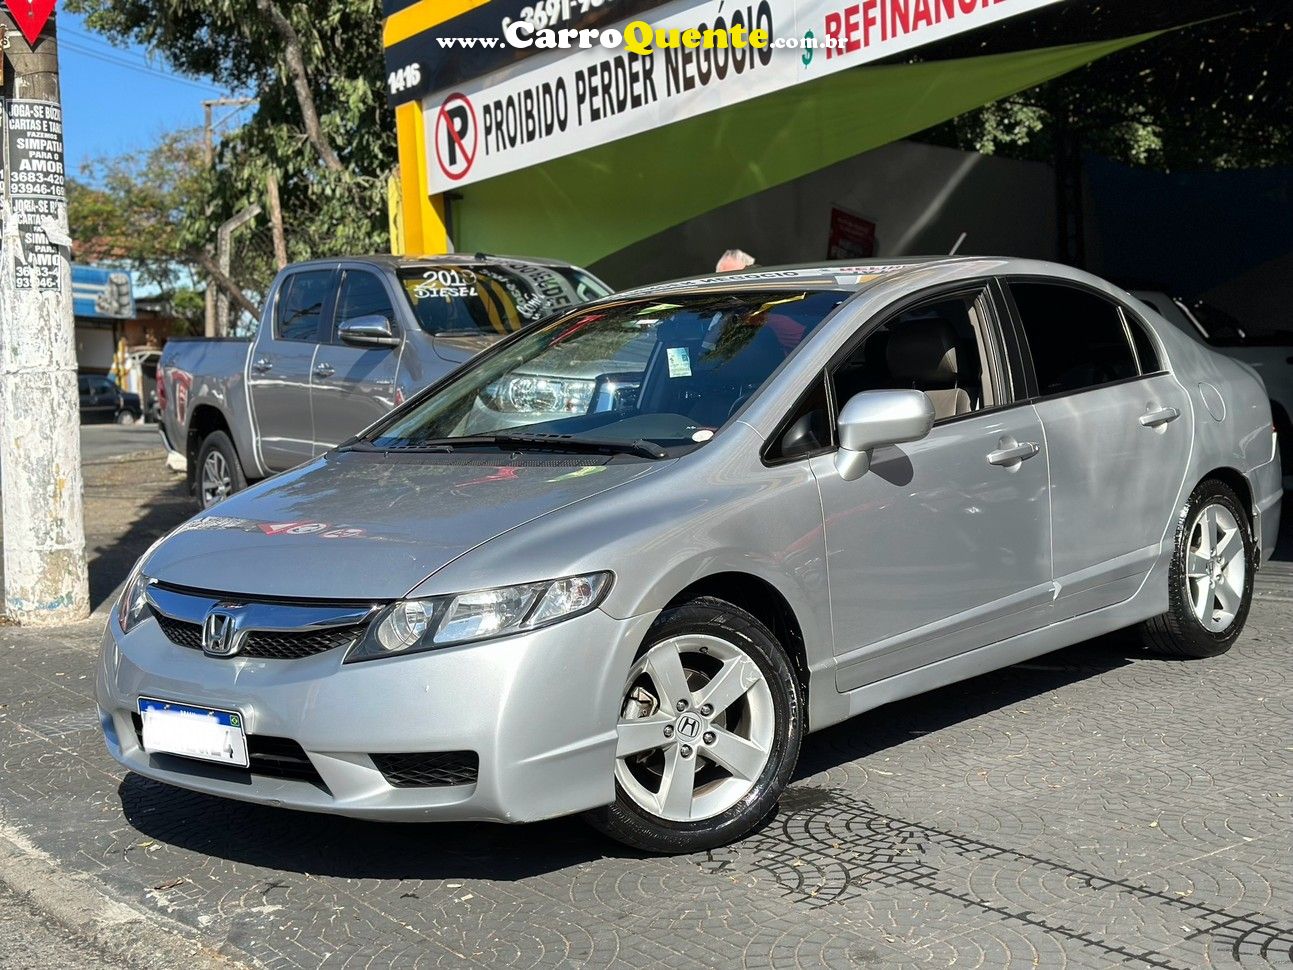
(31,16)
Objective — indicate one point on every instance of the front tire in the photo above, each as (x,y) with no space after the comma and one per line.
(1210,584)
(219,472)
(711,723)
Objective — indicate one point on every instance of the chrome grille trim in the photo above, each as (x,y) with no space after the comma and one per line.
(267,631)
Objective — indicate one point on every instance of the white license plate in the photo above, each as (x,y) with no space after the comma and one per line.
(194,732)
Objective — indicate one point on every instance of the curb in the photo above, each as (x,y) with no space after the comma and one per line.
(121,932)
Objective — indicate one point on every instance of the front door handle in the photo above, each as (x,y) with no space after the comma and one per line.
(262,364)
(324,370)
(1159,417)
(1013,454)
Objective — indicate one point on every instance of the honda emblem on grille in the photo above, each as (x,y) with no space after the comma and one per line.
(220,634)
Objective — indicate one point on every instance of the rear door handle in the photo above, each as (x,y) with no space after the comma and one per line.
(324,370)
(1013,454)
(1159,417)
(262,364)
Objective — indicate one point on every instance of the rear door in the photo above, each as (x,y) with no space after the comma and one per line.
(354,385)
(282,364)
(1119,431)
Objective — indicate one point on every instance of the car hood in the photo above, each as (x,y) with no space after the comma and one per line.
(367,526)
(460,348)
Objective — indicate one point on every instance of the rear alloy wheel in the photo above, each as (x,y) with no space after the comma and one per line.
(709,731)
(1211,579)
(219,473)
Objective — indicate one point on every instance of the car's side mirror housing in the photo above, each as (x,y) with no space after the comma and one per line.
(874,419)
(371,330)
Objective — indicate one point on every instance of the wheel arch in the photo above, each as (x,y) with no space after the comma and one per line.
(762,600)
(205,419)
(1238,482)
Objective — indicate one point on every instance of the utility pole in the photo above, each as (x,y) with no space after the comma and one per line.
(45,580)
(224,259)
(209,126)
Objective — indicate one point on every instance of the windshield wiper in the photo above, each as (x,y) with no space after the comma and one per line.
(519,440)
(565,442)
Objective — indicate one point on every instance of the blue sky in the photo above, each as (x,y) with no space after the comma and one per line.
(117,99)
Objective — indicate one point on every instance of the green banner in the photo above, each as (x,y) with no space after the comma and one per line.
(587,206)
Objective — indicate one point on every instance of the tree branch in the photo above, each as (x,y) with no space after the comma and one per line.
(301,83)
(225,283)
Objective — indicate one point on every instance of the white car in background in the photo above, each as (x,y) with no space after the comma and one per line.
(1270,353)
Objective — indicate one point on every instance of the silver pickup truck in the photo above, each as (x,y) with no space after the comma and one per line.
(341,342)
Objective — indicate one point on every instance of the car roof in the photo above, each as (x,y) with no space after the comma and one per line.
(854,275)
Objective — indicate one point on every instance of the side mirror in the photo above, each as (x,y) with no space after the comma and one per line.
(372,330)
(874,419)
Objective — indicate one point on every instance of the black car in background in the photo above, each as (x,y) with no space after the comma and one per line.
(102,400)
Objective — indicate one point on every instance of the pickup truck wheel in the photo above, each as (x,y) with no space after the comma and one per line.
(219,473)
(125,417)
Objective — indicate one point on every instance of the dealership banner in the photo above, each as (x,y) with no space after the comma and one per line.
(567,101)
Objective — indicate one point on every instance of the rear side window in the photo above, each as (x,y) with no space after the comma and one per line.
(1077,339)
(300,305)
(363,295)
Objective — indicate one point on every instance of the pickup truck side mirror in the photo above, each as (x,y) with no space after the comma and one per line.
(874,419)
(371,330)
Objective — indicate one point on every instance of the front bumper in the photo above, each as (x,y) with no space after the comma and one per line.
(538,709)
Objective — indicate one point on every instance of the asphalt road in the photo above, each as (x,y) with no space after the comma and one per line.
(104,441)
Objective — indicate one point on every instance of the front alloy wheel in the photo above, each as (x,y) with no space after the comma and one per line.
(708,734)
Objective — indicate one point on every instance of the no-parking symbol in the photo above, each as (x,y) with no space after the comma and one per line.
(457,136)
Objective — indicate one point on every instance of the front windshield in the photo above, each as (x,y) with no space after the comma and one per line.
(493,299)
(669,373)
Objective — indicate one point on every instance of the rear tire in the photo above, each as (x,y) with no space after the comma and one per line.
(219,472)
(711,722)
(1210,584)
(125,417)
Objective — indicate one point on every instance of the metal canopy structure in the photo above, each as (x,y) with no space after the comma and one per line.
(580,153)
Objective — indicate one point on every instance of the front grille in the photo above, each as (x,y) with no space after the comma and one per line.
(269,757)
(433,769)
(180,633)
(264,644)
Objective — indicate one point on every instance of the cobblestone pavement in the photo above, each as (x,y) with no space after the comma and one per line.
(1089,809)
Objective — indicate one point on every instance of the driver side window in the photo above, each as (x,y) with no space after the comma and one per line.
(937,347)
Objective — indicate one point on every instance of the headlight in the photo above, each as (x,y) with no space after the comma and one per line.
(133,605)
(410,626)
(524,394)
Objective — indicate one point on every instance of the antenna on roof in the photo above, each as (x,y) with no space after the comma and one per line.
(958,244)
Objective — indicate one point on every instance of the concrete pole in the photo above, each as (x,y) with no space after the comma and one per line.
(224,259)
(45,580)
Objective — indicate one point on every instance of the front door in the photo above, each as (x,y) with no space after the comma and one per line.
(944,545)
(282,364)
(354,386)
(1120,431)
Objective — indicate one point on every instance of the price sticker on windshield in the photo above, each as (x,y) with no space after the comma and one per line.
(679,362)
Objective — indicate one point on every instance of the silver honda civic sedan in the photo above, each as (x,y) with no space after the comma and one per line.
(817,490)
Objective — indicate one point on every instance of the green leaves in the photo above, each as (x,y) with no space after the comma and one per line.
(326,212)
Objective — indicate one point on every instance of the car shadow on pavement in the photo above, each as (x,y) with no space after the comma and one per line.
(279,839)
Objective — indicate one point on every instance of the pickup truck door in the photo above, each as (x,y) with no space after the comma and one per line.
(281,365)
(354,385)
